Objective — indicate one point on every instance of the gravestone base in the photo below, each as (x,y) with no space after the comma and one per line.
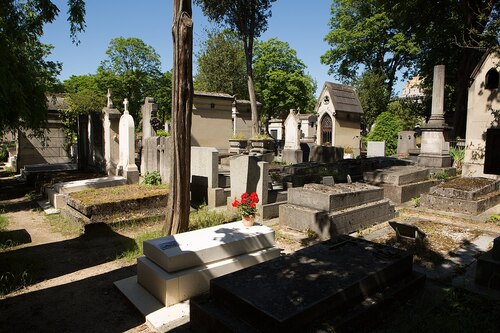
(488,267)
(334,285)
(293,156)
(131,173)
(434,161)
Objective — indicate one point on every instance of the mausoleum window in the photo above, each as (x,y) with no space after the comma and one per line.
(491,79)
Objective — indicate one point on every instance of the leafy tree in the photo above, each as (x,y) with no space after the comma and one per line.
(455,33)
(280,79)
(132,70)
(365,36)
(26,75)
(386,129)
(409,113)
(163,96)
(373,96)
(221,64)
(249,19)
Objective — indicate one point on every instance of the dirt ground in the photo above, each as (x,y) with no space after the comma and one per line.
(69,279)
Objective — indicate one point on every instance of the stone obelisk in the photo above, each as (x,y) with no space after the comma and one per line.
(434,150)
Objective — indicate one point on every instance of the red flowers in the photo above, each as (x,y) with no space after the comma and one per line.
(248,204)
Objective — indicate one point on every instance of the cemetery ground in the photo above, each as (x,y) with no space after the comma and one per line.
(59,277)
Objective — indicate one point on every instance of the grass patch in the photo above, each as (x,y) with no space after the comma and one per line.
(118,193)
(131,253)
(204,218)
(3,222)
(15,272)
(63,225)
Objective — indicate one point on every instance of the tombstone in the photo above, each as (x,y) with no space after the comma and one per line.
(375,149)
(292,152)
(126,165)
(110,126)
(435,151)
(406,141)
(204,172)
(249,174)
(147,110)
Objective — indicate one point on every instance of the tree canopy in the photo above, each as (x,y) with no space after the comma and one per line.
(26,75)
(249,19)
(280,79)
(221,64)
(132,69)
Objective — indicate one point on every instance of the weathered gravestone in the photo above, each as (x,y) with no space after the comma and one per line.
(321,287)
(375,149)
(111,143)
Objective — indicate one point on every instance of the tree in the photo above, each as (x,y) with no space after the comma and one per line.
(280,79)
(249,19)
(132,70)
(26,75)
(178,204)
(163,97)
(386,129)
(365,36)
(221,64)
(455,33)
(373,96)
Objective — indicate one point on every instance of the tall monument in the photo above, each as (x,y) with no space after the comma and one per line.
(434,150)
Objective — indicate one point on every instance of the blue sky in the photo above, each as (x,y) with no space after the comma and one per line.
(303,24)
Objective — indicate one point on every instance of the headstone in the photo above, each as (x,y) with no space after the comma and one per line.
(292,152)
(249,174)
(147,109)
(375,149)
(406,141)
(126,165)
(434,151)
(110,126)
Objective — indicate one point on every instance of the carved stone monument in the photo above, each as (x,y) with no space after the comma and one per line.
(434,151)
(110,129)
(127,167)
(292,152)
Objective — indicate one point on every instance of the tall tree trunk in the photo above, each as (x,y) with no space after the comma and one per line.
(178,205)
(248,47)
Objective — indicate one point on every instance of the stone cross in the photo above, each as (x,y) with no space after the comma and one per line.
(125,105)
(109,95)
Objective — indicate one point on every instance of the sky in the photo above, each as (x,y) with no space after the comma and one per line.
(302,24)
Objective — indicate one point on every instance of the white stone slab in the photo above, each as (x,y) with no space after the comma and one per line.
(159,317)
(375,148)
(198,247)
(80,185)
(172,288)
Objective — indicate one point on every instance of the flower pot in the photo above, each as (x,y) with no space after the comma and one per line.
(248,220)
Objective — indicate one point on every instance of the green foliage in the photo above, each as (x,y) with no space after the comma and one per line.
(366,34)
(457,154)
(136,249)
(161,133)
(133,70)
(409,113)
(441,175)
(204,218)
(386,129)
(221,64)
(281,82)
(152,178)
(239,136)
(373,95)
(415,201)
(26,75)
(4,152)
(3,222)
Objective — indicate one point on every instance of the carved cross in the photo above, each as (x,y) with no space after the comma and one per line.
(125,105)
(109,95)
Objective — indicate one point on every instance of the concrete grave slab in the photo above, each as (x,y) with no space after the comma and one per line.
(294,293)
(190,249)
(80,185)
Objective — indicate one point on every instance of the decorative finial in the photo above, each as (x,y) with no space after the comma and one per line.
(125,105)
(110,94)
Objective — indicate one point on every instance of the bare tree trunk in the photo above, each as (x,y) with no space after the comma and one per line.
(253,105)
(178,205)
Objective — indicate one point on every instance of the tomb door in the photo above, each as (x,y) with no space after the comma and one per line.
(326,129)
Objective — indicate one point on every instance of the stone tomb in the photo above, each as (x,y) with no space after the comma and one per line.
(176,268)
(401,183)
(488,267)
(333,210)
(463,195)
(331,285)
